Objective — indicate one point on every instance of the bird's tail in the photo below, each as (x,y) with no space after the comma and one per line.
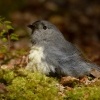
(94,66)
(95,70)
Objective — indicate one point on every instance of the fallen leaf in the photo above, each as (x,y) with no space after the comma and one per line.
(2,88)
(69,81)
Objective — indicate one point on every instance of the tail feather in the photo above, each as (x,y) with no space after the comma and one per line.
(95,70)
(94,66)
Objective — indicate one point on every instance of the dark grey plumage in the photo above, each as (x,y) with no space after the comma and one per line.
(52,55)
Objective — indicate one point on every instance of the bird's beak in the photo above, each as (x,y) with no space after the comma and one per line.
(30,26)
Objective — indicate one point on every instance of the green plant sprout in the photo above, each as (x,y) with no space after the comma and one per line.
(7,32)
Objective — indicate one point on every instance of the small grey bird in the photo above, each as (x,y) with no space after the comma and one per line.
(52,55)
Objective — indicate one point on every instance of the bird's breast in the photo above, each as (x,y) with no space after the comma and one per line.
(37,61)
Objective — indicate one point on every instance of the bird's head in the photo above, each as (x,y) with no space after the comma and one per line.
(43,31)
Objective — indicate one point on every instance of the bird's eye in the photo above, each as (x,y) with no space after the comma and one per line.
(44,27)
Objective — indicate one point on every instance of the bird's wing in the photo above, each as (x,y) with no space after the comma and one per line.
(67,64)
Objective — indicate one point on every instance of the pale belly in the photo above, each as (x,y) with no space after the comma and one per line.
(37,61)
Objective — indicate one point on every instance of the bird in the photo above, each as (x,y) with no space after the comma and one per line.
(51,54)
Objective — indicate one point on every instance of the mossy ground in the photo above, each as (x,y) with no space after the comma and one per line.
(84,93)
(24,85)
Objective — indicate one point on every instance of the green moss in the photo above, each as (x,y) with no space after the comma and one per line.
(84,93)
(8,76)
(24,85)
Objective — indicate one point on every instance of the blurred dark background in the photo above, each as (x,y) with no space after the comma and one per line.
(78,20)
